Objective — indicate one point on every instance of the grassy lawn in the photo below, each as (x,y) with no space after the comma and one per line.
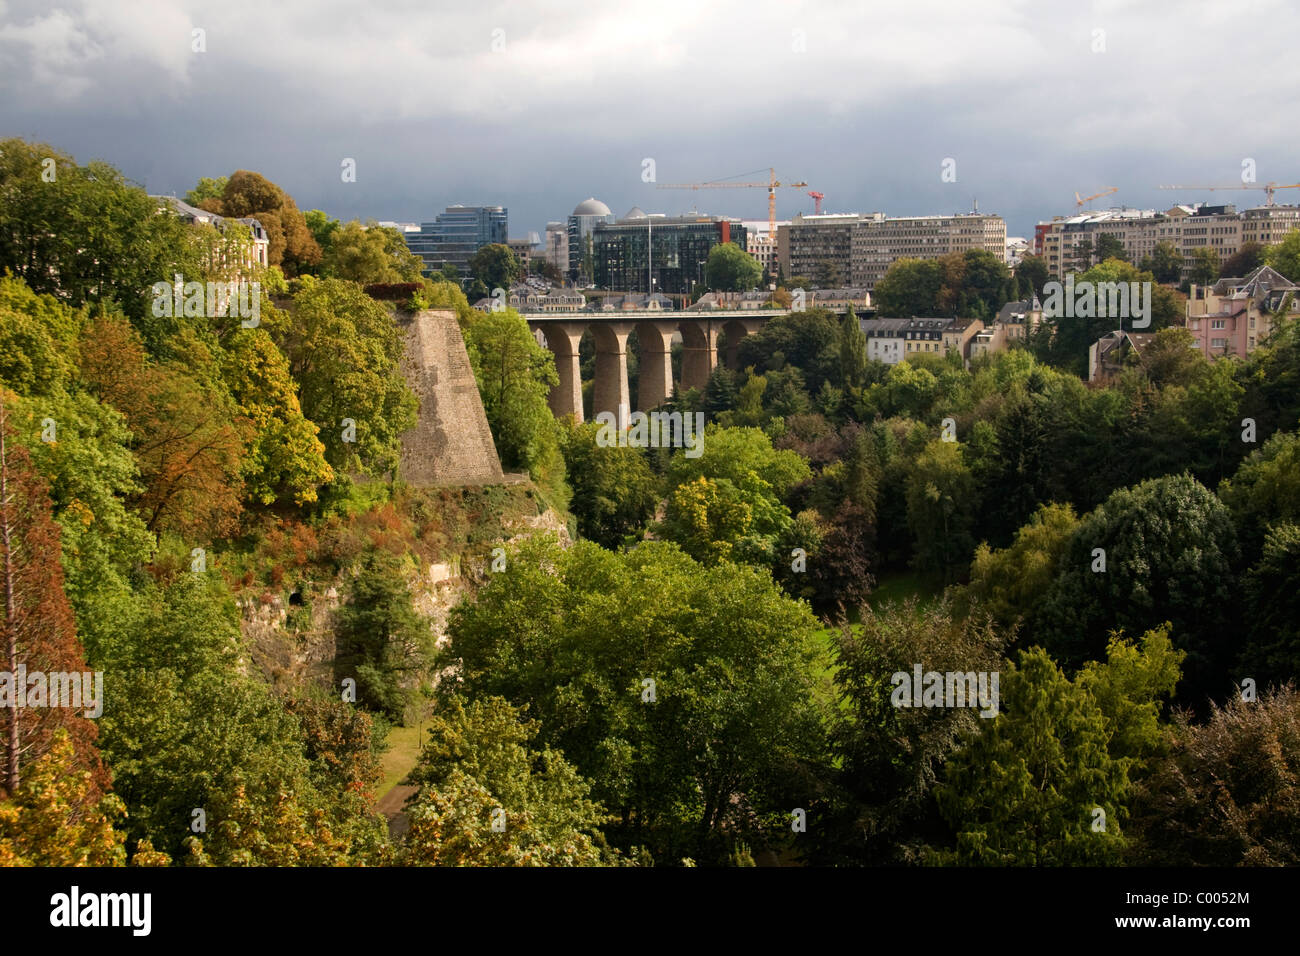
(899,586)
(401,756)
(893,588)
(824,675)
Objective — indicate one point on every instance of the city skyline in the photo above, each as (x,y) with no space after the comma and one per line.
(865,106)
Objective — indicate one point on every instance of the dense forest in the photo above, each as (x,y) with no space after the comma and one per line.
(649,658)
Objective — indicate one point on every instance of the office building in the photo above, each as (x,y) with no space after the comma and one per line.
(456,234)
(679,247)
(853,249)
(582,222)
(1068,243)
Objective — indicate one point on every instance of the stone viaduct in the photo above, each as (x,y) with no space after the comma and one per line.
(654,332)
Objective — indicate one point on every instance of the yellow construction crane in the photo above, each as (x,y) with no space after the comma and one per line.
(1267,187)
(771,186)
(1080,200)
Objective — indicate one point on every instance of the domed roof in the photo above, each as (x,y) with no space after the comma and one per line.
(636,212)
(591,207)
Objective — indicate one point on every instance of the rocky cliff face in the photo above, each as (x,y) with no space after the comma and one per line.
(289,631)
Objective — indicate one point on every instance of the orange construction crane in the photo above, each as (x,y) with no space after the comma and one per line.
(1267,187)
(817,202)
(1080,200)
(771,186)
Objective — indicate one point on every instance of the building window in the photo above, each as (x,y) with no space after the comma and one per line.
(1218,343)
(1216,324)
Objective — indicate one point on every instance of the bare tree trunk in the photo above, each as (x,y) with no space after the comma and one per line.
(10,625)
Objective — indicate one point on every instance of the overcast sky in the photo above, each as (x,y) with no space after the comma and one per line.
(536,106)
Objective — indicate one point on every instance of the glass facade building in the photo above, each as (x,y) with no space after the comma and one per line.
(587,215)
(680,250)
(456,234)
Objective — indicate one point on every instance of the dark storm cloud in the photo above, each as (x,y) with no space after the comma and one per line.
(536,107)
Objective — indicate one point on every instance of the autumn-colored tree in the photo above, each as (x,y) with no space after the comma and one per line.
(186,440)
(249,194)
(340,742)
(58,817)
(39,628)
(1226,792)
(275,829)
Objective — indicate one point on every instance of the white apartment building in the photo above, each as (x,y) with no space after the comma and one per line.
(1188,228)
(886,339)
(864,247)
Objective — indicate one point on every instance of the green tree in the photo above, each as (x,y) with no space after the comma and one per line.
(881,808)
(1109,247)
(983,281)
(1083,252)
(208,188)
(1010,583)
(382,643)
(853,351)
(827,274)
(907,390)
(284,459)
(515,376)
(547,270)
(1265,490)
(321,227)
(1169,551)
(1271,651)
(731,269)
(187,729)
(694,718)
(1033,274)
(496,266)
(44,227)
(808,341)
(614,490)
(712,520)
(940,509)
(749,403)
(1165,263)
(1071,337)
(343,350)
(1285,255)
(370,254)
(909,287)
(1027,790)
(1171,359)
(1205,266)
(737,454)
(478,763)
(1244,261)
